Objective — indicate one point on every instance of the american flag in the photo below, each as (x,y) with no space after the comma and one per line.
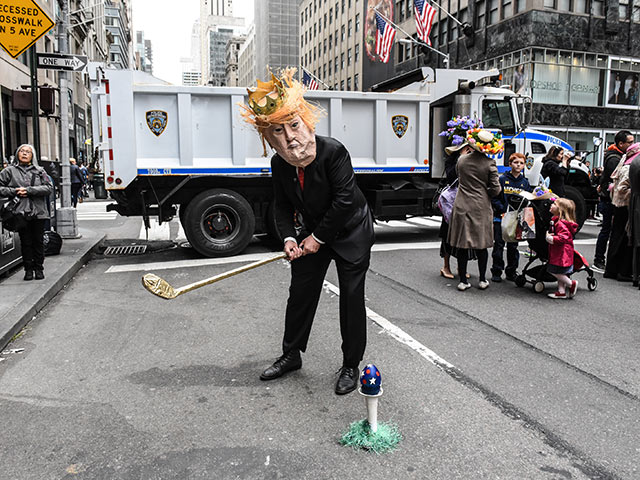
(384,38)
(308,81)
(425,14)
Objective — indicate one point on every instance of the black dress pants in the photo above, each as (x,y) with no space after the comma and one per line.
(620,253)
(32,244)
(307,277)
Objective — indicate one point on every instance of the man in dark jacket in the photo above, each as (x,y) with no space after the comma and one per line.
(77,181)
(314,182)
(612,157)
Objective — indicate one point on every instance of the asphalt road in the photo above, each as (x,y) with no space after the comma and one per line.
(114,383)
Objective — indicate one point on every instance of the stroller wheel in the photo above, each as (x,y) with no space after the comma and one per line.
(592,283)
(520,281)
(538,287)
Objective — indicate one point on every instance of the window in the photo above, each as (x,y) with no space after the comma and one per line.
(493,12)
(342,61)
(349,83)
(324,70)
(480,12)
(315,29)
(497,114)
(335,64)
(325,21)
(564,5)
(506,9)
(324,46)
(349,57)
(357,53)
(330,15)
(550,4)
(302,40)
(350,28)
(342,6)
(598,7)
(357,22)
(342,33)
(329,68)
(520,5)
(336,10)
(443,32)
(356,79)
(623,9)
(314,54)
(301,19)
(330,42)
(580,6)
(341,84)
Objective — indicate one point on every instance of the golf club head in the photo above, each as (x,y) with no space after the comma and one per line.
(158,286)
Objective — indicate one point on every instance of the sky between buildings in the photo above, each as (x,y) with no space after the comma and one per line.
(168,25)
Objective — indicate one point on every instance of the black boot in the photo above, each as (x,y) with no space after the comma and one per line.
(28,275)
(286,363)
(39,274)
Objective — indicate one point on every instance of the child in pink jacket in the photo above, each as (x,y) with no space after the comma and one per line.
(560,240)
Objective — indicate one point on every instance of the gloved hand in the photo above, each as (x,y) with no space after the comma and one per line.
(549,238)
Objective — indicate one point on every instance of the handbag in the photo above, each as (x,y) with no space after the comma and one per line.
(446,199)
(510,225)
(526,228)
(52,242)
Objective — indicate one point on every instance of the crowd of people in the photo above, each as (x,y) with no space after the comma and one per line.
(483,197)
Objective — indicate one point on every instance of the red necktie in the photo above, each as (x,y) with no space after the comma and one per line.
(301,177)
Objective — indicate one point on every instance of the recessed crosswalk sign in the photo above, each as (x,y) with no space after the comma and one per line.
(22,23)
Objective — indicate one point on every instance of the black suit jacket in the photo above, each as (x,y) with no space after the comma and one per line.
(332,207)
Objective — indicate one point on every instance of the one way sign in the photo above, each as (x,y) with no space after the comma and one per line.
(59,61)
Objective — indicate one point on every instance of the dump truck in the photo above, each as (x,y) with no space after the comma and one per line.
(182,150)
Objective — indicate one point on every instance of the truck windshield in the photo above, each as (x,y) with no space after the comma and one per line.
(497,114)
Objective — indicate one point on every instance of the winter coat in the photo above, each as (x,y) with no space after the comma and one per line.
(561,250)
(511,187)
(35,203)
(556,173)
(76,174)
(634,205)
(621,193)
(611,160)
(471,224)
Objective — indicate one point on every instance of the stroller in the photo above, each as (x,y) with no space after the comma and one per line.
(535,270)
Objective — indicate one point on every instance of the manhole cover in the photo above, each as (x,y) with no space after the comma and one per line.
(126,250)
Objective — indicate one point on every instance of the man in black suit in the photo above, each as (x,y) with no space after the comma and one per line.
(315,187)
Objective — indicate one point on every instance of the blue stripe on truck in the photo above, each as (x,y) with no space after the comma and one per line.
(265,171)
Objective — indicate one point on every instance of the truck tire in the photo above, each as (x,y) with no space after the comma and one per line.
(574,194)
(219,223)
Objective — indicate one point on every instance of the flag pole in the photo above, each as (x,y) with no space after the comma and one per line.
(327,86)
(409,37)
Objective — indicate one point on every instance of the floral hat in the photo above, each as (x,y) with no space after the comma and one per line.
(458,127)
(485,141)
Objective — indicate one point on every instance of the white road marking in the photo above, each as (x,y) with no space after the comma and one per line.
(426,221)
(253,257)
(400,335)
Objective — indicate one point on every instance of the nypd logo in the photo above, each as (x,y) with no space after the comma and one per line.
(399,124)
(157,121)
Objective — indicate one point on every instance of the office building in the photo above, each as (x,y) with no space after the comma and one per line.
(247,59)
(277,27)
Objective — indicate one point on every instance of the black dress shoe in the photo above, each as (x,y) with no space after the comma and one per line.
(286,363)
(39,274)
(347,381)
(28,275)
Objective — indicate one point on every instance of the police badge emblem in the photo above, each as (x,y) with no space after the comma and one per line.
(399,124)
(529,163)
(157,121)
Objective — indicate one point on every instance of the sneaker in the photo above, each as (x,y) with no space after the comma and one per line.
(496,278)
(557,295)
(483,285)
(462,286)
(573,289)
(598,266)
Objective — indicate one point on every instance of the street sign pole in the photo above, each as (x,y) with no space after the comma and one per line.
(35,110)
(66,215)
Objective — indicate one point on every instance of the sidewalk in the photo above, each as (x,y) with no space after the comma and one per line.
(20,301)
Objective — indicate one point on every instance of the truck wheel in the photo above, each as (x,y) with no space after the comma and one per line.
(574,194)
(219,223)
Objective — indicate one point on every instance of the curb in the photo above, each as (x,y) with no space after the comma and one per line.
(27,309)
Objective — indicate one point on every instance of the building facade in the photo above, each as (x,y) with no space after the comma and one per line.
(332,41)
(143,53)
(579,60)
(247,59)
(232,57)
(217,26)
(118,24)
(277,35)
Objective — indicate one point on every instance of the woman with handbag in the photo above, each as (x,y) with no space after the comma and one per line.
(31,185)
(471,226)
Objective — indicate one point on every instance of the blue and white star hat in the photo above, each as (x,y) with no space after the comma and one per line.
(370,380)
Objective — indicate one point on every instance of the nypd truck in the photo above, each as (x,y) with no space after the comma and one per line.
(172,150)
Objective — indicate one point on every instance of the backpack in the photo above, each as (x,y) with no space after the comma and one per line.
(52,243)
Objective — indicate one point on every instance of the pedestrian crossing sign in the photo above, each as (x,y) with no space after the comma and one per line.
(22,23)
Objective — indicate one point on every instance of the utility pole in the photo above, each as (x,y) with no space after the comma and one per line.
(67,221)
(35,110)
